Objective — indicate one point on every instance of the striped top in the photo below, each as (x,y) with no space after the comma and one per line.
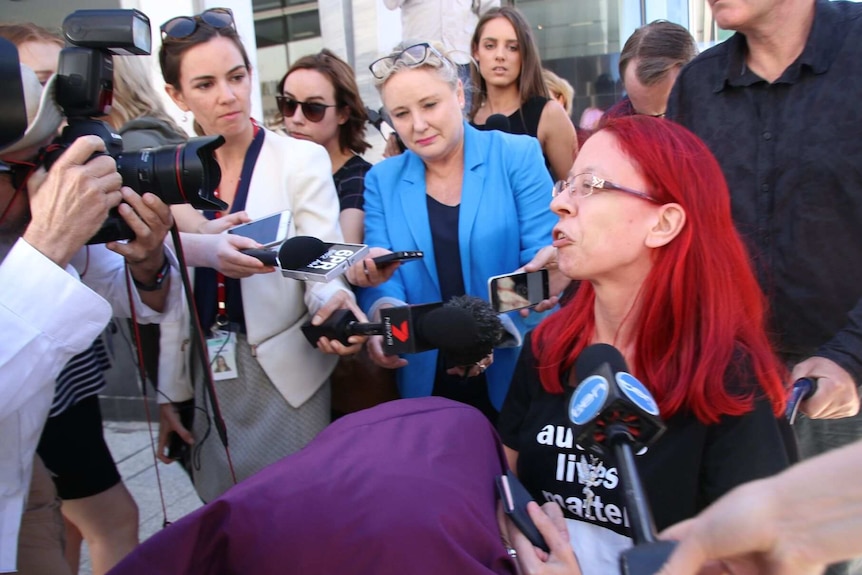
(82,377)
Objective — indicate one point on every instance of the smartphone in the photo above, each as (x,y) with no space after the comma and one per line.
(331,264)
(509,292)
(515,497)
(397,257)
(268,231)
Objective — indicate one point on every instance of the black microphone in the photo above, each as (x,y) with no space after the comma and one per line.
(293,252)
(498,122)
(307,258)
(610,408)
(461,328)
(469,341)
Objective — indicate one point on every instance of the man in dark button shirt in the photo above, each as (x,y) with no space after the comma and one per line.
(778,104)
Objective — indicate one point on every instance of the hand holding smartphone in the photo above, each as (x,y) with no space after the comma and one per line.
(509,292)
(515,498)
(394,257)
(268,231)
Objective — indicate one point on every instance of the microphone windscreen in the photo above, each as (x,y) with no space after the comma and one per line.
(300,251)
(466,329)
(594,356)
(497,122)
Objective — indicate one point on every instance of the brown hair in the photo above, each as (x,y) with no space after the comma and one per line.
(28,32)
(172,50)
(351,135)
(658,47)
(530,82)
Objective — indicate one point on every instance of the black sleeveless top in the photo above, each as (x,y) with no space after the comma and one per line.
(525,120)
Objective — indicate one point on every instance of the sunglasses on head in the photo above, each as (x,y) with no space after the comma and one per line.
(412,56)
(184,26)
(313,111)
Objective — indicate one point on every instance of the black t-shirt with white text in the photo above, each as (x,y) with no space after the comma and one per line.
(689,467)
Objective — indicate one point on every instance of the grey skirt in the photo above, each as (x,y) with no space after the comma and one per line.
(261,425)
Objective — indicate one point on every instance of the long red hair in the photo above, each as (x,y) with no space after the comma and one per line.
(702,314)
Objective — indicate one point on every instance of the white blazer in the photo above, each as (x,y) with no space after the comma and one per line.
(295,175)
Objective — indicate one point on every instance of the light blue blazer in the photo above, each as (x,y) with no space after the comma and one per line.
(504,219)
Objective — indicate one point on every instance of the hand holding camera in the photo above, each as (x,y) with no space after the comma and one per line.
(69,203)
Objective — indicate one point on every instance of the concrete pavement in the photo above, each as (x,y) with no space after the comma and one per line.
(129,442)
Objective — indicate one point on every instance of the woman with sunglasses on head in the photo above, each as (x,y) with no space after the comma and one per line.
(474,202)
(280,399)
(509,82)
(645,226)
(319,101)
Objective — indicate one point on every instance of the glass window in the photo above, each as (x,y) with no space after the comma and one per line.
(271,31)
(581,41)
(304,25)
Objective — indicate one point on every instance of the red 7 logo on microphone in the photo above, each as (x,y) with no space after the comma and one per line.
(401,332)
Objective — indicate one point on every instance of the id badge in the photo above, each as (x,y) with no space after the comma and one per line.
(221,349)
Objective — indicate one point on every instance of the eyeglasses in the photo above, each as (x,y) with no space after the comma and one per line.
(313,111)
(184,26)
(19,173)
(583,186)
(412,56)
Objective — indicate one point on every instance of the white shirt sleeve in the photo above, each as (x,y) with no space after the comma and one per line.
(104,272)
(48,316)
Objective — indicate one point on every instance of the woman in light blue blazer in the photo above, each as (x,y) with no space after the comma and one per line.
(476,203)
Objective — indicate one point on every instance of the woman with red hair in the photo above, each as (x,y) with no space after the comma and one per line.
(645,225)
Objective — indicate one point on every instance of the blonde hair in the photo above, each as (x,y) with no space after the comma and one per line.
(559,87)
(134,94)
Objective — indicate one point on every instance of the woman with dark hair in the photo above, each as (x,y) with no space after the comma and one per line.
(319,101)
(509,82)
(645,225)
(280,398)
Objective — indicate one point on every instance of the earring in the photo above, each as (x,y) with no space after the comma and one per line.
(185,118)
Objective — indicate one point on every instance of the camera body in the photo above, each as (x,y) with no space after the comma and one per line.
(186,173)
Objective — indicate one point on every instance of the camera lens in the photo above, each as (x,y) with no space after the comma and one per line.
(183,174)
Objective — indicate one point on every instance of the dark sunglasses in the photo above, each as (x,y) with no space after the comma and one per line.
(313,111)
(184,26)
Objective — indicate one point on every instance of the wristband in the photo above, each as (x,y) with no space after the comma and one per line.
(160,278)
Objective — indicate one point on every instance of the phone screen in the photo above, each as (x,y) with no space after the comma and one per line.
(267,231)
(517,291)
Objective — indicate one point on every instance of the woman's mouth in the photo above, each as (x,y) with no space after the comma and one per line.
(560,239)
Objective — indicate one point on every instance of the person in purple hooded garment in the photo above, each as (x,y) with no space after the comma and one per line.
(405,487)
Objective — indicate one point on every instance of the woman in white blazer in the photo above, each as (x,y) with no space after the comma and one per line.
(280,399)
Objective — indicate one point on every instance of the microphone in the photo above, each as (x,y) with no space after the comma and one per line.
(461,328)
(307,258)
(610,408)
(803,388)
(498,122)
(298,250)
(469,341)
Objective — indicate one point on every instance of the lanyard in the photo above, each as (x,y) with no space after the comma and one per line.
(221,318)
